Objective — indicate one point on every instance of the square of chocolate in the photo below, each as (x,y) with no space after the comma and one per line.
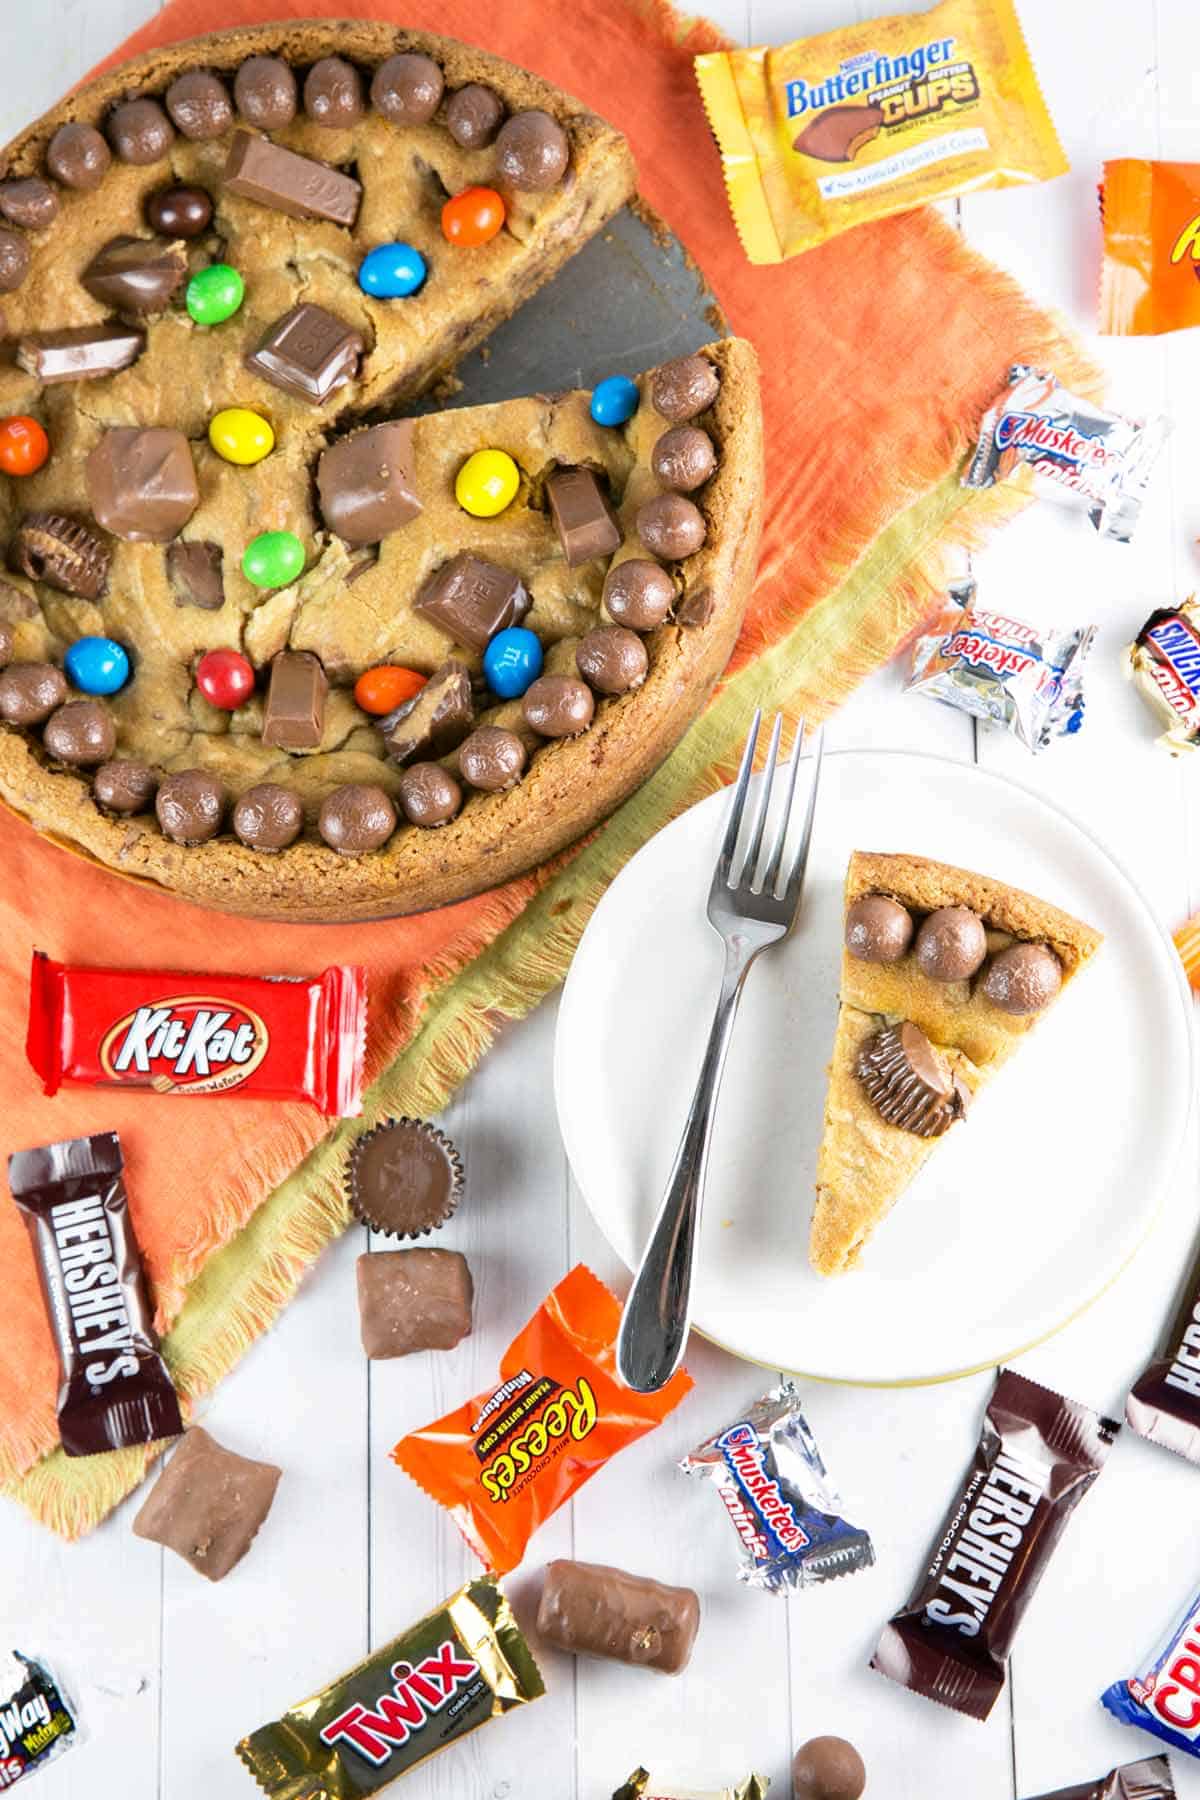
(297,185)
(412,1300)
(366,483)
(309,353)
(294,718)
(208,1504)
(141,483)
(472,599)
(586,524)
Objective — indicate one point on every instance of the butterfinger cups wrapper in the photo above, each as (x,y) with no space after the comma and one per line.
(506,1460)
(640,1787)
(448,1674)
(1146,1780)
(1150,275)
(874,119)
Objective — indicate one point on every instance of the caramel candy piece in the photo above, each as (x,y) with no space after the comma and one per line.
(30,691)
(1023,978)
(908,1083)
(828,1768)
(297,185)
(586,524)
(142,483)
(140,131)
(471,599)
(412,1300)
(611,659)
(366,483)
(878,930)
(407,88)
(357,818)
(333,93)
(264,92)
(492,759)
(79,352)
(473,115)
(532,151)
(429,795)
(208,1504)
(951,944)
(135,275)
(32,203)
(199,105)
(268,817)
(592,1610)
(434,720)
(195,572)
(309,353)
(671,527)
(294,718)
(62,553)
(683,458)
(81,733)
(638,593)
(125,787)
(683,388)
(839,133)
(190,806)
(78,157)
(558,706)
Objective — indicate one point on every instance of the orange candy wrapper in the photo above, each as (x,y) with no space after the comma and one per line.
(510,1457)
(874,119)
(1150,276)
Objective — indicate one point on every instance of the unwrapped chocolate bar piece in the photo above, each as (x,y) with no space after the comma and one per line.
(208,1504)
(592,1610)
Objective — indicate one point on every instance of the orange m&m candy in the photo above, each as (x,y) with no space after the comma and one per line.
(24,446)
(472,217)
(387,686)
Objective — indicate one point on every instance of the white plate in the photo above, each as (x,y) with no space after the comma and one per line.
(1021,1218)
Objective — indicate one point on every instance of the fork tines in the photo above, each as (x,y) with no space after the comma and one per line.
(757,872)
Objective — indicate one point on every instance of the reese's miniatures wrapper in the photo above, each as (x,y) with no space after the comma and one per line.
(1164,1697)
(873,119)
(640,1787)
(503,1462)
(1037,1456)
(1150,275)
(1079,454)
(37,1723)
(1146,1780)
(768,1472)
(444,1677)
(114,1389)
(1164,1402)
(1163,662)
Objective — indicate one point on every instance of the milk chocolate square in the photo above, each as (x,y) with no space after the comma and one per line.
(294,718)
(412,1300)
(309,353)
(435,720)
(586,524)
(208,1504)
(141,483)
(472,599)
(366,483)
(297,185)
(135,275)
(196,575)
(79,352)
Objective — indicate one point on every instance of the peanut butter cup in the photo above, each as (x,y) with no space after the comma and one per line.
(405,1178)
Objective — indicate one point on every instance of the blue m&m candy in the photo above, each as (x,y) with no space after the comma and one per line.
(391,270)
(512,661)
(614,400)
(97,665)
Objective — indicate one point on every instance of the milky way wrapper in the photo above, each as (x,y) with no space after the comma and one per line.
(1149,1779)
(1164,1402)
(37,1720)
(1163,1698)
(1037,1456)
(1150,275)
(640,1787)
(451,1672)
(1163,662)
(873,119)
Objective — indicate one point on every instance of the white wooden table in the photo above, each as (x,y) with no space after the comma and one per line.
(172,1671)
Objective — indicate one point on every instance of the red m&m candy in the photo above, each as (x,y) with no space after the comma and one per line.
(225,678)
(472,217)
(24,446)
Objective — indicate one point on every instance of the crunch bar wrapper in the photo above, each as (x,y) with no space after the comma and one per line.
(503,1462)
(1146,1780)
(1164,1697)
(639,1787)
(1150,275)
(874,119)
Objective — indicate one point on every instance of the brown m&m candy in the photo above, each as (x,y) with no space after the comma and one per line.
(264,92)
(189,806)
(62,553)
(828,1768)
(125,787)
(357,818)
(683,458)
(671,527)
(683,388)
(908,1083)
(81,733)
(179,212)
(268,817)
(429,795)
(612,659)
(140,131)
(199,105)
(30,691)
(135,275)
(405,1178)
(532,150)
(473,115)
(492,759)
(407,88)
(878,930)
(333,93)
(14,261)
(558,706)
(638,593)
(1023,978)
(142,483)
(78,157)
(951,944)
(32,203)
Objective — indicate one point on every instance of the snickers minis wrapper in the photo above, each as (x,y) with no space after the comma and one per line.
(1146,1780)
(1163,662)
(1037,1456)
(1163,1697)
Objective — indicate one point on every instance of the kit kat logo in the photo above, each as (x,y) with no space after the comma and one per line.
(189,1044)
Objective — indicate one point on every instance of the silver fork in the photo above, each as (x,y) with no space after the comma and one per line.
(750,909)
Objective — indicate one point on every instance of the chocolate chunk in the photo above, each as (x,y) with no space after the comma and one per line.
(532,151)
(828,1768)
(333,93)
(208,1504)
(697,606)
(473,115)
(300,186)
(839,133)
(434,720)
(407,88)
(6,646)
(1023,978)
(135,275)
(429,795)
(557,706)
(683,458)
(78,157)
(190,805)
(125,787)
(14,261)
(951,944)
(194,571)
(585,522)
(405,1179)
(16,604)
(199,104)
(683,388)
(492,759)
(30,691)
(268,817)
(366,483)
(611,659)
(294,718)
(62,553)
(908,1083)
(179,212)
(140,131)
(878,930)
(671,527)
(356,818)
(142,483)
(413,1300)
(81,733)
(471,599)
(32,203)
(79,352)
(638,593)
(592,1610)
(264,92)
(309,353)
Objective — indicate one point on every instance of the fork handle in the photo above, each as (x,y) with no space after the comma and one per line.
(654,1325)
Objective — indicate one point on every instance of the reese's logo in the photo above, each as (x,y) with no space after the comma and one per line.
(568,1417)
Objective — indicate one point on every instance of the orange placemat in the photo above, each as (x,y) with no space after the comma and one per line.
(879,352)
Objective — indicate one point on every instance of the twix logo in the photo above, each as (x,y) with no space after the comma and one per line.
(190,1044)
(571,1415)
(420,1691)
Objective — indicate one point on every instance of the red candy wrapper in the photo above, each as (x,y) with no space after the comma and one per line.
(273,1037)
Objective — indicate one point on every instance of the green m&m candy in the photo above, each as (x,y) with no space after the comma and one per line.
(214,294)
(273,558)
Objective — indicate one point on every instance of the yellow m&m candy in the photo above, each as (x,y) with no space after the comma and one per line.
(240,436)
(487,483)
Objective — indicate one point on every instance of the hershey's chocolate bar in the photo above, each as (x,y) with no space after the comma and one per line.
(297,185)
(1164,1403)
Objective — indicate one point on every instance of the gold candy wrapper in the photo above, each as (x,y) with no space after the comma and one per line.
(1163,662)
(451,1672)
(638,1788)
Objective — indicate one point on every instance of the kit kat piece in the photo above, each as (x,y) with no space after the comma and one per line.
(79,352)
(586,524)
(592,1610)
(309,353)
(208,1504)
(412,1300)
(303,188)
(295,712)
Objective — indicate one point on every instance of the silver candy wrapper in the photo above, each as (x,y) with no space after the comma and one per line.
(37,1722)
(1023,678)
(769,1474)
(640,1787)
(1080,454)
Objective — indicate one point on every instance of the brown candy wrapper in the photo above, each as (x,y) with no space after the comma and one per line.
(1164,1402)
(1037,1456)
(1147,1780)
(640,1787)
(115,1389)
(451,1672)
